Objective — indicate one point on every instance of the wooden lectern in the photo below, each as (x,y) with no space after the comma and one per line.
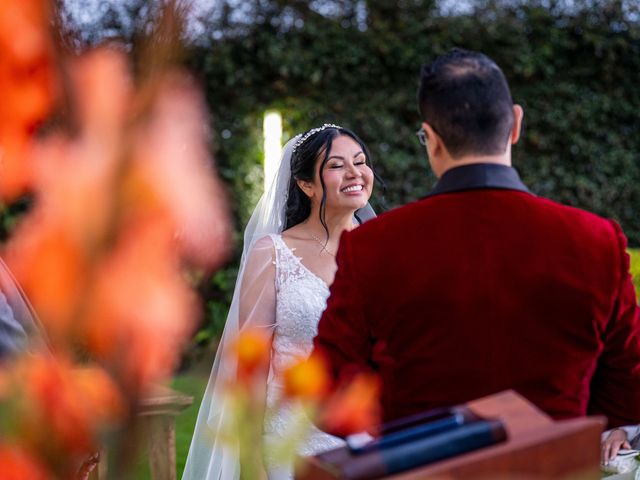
(536,448)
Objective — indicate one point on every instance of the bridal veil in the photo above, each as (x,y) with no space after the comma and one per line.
(253,304)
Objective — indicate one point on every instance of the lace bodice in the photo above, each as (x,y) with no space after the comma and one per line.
(301,297)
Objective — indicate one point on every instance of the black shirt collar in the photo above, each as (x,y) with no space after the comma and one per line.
(477,176)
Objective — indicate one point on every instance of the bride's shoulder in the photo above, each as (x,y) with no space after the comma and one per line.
(262,255)
(264,246)
(268,241)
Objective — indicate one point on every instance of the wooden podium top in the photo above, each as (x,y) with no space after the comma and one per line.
(536,447)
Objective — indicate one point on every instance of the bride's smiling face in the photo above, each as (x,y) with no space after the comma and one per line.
(348,180)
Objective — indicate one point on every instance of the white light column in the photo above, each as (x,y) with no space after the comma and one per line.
(272,145)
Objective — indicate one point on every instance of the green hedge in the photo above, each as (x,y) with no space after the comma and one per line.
(635,269)
(574,72)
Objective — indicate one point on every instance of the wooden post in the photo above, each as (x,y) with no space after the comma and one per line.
(161,407)
(162,447)
(159,410)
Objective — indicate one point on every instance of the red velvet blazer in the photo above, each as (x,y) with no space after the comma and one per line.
(469,292)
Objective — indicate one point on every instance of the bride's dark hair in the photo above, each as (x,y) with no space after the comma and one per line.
(303,162)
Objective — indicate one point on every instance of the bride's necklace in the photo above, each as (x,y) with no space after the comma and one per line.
(324,247)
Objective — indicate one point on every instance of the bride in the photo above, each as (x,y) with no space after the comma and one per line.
(322,189)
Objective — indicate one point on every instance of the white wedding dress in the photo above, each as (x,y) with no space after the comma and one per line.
(274,290)
(301,298)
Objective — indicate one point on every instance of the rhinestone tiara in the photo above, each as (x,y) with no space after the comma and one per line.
(312,132)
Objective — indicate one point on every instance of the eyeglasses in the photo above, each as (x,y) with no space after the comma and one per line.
(422,136)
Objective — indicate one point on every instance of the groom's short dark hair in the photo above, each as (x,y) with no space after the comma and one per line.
(465,98)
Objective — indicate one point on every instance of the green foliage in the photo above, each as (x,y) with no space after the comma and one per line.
(574,71)
(194,386)
(635,269)
(223,281)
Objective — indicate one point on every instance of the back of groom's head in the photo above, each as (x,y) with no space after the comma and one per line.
(465,98)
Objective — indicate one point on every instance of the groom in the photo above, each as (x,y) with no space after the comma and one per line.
(483,286)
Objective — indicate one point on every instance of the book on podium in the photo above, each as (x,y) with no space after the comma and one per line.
(500,436)
(414,441)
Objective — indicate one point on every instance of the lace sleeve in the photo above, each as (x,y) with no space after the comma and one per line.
(257,306)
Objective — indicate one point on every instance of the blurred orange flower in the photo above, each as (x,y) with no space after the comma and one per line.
(75,183)
(122,200)
(141,310)
(103,96)
(27,80)
(171,152)
(307,379)
(16,464)
(23,30)
(50,267)
(110,238)
(71,405)
(100,395)
(15,162)
(354,407)
(252,350)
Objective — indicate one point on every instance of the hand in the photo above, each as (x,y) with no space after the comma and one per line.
(616,440)
(88,466)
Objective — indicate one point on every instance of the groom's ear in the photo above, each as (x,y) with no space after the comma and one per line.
(434,142)
(518,115)
(306,187)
